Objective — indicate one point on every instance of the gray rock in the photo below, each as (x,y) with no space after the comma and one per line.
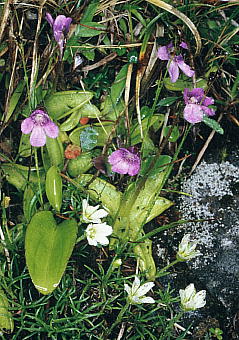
(214,197)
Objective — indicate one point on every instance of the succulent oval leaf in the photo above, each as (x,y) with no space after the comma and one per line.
(48,247)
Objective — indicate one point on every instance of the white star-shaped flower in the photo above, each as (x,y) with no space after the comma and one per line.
(186,249)
(136,293)
(92,214)
(97,234)
(190,299)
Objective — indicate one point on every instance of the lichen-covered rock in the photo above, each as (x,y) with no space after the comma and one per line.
(215,197)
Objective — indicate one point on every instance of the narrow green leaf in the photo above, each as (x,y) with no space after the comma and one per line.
(48,247)
(30,200)
(89,11)
(6,321)
(14,100)
(89,29)
(167,101)
(54,188)
(25,149)
(213,124)
(174,133)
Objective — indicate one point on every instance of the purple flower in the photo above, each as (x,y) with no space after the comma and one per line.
(196,105)
(60,26)
(184,45)
(125,161)
(40,125)
(174,62)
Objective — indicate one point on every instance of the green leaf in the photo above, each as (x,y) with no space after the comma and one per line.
(54,188)
(88,138)
(61,104)
(180,84)
(89,53)
(146,123)
(213,124)
(48,247)
(111,111)
(80,165)
(167,101)
(55,151)
(101,191)
(87,110)
(90,29)
(30,200)
(158,166)
(174,133)
(14,100)
(25,149)
(113,105)
(19,175)
(160,205)
(89,11)
(119,85)
(6,320)
(103,131)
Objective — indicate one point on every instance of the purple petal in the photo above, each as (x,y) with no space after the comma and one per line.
(61,24)
(49,19)
(61,43)
(38,136)
(173,70)
(125,161)
(186,95)
(116,156)
(184,67)
(59,37)
(51,129)
(27,125)
(122,167)
(184,45)
(193,113)
(134,170)
(67,24)
(208,101)
(208,111)
(163,53)
(197,92)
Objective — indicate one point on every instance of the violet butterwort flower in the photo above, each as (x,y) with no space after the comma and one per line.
(174,62)
(197,105)
(60,26)
(125,161)
(39,125)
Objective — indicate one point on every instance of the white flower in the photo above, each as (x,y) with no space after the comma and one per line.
(116,263)
(96,234)
(186,249)
(136,292)
(92,214)
(190,299)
